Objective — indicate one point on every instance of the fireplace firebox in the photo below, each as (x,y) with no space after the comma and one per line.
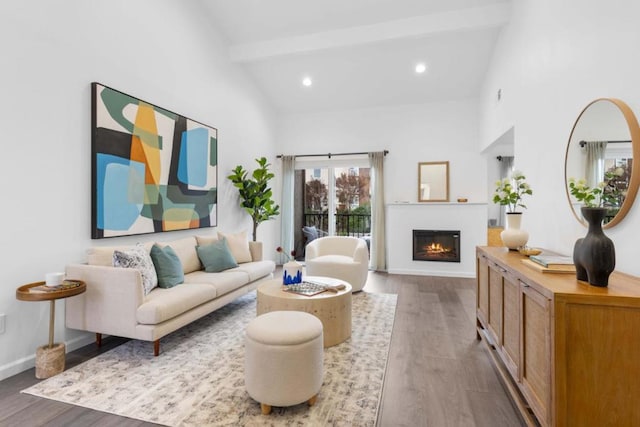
(436,245)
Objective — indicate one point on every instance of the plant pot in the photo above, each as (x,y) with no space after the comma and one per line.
(291,273)
(594,255)
(513,237)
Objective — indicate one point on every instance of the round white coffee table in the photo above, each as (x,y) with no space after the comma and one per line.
(332,308)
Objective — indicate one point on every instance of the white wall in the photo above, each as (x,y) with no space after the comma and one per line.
(551,61)
(161,51)
(402,218)
(412,134)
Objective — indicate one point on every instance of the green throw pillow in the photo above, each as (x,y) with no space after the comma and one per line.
(216,256)
(168,266)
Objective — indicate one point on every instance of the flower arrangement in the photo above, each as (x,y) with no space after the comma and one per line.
(604,194)
(290,257)
(509,192)
(590,196)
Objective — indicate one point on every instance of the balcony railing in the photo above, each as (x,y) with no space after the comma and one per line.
(347,224)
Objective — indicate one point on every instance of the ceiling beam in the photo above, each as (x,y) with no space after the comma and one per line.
(420,26)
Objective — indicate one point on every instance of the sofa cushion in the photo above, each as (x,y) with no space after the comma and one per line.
(168,266)
(164,304)
(256,269)
(138,258)
(186,251)
(103,255)
(332,259)
(206,240)
(224,282)
(239,246)
(216,256)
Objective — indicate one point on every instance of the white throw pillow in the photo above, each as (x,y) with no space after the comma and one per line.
(138,258)
(239,246)
(103,255)
(185,248)
(207,240)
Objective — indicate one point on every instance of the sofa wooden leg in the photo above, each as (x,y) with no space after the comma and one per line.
(266,409)
(98,339)
(156,348)
(312,401)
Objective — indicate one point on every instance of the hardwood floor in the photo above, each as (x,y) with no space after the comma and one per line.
(438,374)
(24,410)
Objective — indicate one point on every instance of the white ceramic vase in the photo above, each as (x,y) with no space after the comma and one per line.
(291,273)
(513,237)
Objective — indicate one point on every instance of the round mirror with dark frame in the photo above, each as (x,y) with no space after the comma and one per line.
(603,143)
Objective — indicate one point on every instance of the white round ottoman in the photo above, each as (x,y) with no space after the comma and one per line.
(283,359)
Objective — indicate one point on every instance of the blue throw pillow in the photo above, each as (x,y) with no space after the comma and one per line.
(216,256)
(168,266)
(311,233)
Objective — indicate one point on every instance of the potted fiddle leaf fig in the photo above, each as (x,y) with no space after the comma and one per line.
(255,193)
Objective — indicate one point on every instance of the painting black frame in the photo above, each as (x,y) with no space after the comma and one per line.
(172,189)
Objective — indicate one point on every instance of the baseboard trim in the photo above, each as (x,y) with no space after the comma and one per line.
(13,368)
(463,274)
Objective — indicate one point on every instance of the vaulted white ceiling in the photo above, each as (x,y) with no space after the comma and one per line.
(360,53)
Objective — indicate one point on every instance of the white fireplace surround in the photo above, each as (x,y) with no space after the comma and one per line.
(403,218)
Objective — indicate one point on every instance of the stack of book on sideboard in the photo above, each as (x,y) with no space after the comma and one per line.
(551,263)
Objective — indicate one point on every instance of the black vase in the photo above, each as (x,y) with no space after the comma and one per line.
(594,255)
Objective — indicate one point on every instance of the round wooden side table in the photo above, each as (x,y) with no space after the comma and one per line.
(333,309)
(50,358)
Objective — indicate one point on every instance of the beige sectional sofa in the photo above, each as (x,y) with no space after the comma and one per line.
(115,302)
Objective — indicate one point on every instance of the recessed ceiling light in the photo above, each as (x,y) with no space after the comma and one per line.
(421,67)
(307,81)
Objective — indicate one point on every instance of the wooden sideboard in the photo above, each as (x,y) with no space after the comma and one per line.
(569,352)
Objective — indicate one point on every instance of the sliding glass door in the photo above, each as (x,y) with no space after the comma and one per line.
(352,215)
(335,199)
(317,202)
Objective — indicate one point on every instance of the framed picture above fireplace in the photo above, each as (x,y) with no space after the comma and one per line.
(433,182)
(152,170)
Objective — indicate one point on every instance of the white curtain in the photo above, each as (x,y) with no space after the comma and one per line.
(378,259)
(286,208)
(506,168)
(594,166)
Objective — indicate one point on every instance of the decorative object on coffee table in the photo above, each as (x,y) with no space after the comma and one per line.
(594,255)
(50,358)
(291,270)
(291,273)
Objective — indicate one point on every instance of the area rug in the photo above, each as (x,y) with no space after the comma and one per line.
(198,378)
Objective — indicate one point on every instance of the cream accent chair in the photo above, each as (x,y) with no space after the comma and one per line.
(345,258)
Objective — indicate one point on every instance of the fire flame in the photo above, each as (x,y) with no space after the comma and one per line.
(435,248)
